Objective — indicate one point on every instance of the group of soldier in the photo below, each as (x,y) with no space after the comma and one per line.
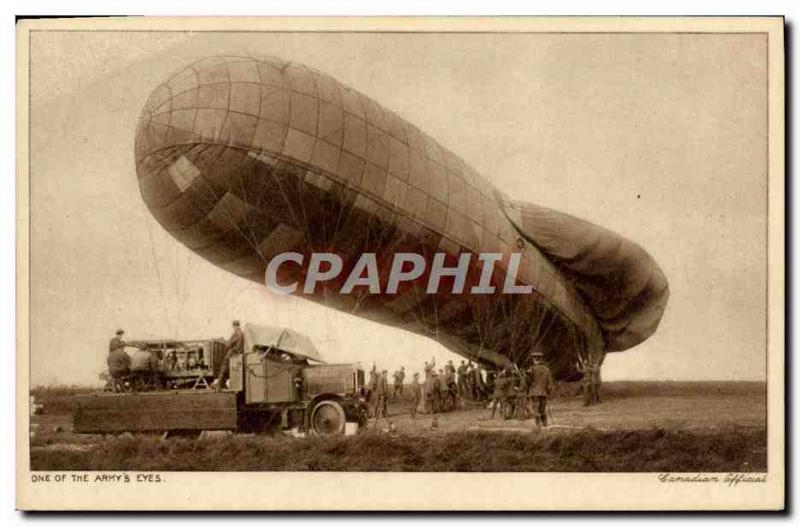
(511,392)
(523,393)
(445,389)
(439,391)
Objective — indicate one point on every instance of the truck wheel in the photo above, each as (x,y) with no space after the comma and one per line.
(327,418)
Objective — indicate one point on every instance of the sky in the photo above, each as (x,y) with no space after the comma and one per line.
(661,138)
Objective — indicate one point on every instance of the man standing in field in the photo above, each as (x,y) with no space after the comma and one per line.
(429,389)
(399,378)
(450,368)
(510,393)
(479,386)
(498,394)
(541,386)
(523,413)
(372,395)
(235,345)
(594,368)
(451,389)
(469,382)
(444,391)
(416,395)
(381,395)
(590,384)
(462,378)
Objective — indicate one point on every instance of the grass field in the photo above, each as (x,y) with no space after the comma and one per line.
(640,426)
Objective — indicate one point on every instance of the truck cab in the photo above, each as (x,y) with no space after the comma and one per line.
(281,370)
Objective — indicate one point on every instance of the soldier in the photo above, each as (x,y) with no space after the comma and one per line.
(594,369)
(523,413)
(462,378)
(399,378)
(541,386)
(469,382)
(491,376)
(116,342)
(477,382)
(450,368)
(451,391)
(429,389)
(499,393)
(416,395)
(444,388)
(119,363)
(372,395)
(382,396)
(429,367)
(510,393)
(586,381)
(590,383)
(234,345)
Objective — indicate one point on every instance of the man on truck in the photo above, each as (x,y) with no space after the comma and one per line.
(234,345)
(119,363)
(116,342)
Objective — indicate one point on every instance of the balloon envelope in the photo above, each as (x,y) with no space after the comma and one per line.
(245,158)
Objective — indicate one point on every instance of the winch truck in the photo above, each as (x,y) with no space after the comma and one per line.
(279,380)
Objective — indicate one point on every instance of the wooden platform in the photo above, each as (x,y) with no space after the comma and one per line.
(154,411)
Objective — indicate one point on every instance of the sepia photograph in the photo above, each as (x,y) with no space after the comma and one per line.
(381,256)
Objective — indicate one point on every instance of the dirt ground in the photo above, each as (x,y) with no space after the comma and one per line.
(703,407)
(639,427)
(625,406)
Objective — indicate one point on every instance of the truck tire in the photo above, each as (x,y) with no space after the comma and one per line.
(328,418)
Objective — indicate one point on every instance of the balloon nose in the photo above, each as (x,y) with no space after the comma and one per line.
(153,128)
(167,119)
(218,101)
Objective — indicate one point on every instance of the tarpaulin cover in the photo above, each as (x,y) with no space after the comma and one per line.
(282,338)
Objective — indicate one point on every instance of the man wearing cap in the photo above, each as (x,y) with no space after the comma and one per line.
(116,342)
(119,363)
(235,345)
(541,386)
